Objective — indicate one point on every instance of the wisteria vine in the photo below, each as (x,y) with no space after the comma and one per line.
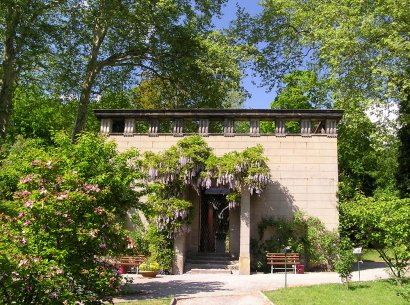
(191,163)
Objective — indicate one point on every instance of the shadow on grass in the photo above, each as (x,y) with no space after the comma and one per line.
(357,286)
(367,265)
(157,289)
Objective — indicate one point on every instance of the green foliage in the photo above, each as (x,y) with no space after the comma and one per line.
(305,235)
(381,224)
(345,260)
(149,265)
(302,90)
(356,50)
(65,220)
(36,115)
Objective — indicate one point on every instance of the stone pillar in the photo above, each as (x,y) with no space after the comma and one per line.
(305,128)
(179,258)
(203,127)
(129,127)
(331,128)
(106,126)
(245,234)
(280,130)
(179,128)
(254,128)
(229,128)
(153,128)
(234,233)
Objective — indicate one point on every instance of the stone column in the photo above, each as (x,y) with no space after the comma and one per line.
(305,127)
(179,258)
(254,128)
(203,127)
(245,234)
(229,128)
(129,127)
(179,128)
(106,126)
(331,128)
(234,233)
(280,128)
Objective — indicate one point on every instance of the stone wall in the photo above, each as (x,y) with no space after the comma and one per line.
(304,171)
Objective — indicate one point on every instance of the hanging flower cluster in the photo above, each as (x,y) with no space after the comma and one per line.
(172,215)
(237,169)
(192,163)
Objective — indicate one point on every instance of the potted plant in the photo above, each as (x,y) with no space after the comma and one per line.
(149,268)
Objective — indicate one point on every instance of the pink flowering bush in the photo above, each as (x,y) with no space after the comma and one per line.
(65,225)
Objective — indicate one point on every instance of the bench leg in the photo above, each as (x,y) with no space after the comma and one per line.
(271,268)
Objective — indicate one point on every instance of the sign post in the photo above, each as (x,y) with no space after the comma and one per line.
(286,250)
(358,252)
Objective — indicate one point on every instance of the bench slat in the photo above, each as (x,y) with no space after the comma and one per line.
(276,259)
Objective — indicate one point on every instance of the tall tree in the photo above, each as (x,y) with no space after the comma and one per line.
(26,29)
(361,46)
(303,90)
(112,42)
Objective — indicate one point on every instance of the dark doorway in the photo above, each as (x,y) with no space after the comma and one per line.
(214,224)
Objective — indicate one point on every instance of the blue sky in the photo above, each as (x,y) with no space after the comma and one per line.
(259,99)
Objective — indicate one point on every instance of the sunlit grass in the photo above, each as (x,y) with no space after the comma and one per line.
(165,301)
(360,293)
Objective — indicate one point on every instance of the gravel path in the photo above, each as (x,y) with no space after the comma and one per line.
(241,289)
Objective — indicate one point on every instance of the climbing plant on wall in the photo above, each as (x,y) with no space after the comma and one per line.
(191,164)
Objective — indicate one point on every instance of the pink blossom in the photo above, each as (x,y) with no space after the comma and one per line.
(60,271)
(91,188)
(103,246)
(100,211)
(23,241)
(25,193)
(93,233)
(27,223)
(23,263)
(62,196)
(48,165)
(21,215)
(43,191)
(27,179)
(35,162)
(29,204)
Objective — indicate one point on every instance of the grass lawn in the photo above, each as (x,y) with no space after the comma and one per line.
(360,293)
(149,302)
(373,255)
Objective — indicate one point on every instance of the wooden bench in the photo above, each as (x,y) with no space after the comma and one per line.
(277,261)
(131,261)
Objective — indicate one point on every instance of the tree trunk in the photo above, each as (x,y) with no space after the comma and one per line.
(93,68)
(403,172)
(9,71)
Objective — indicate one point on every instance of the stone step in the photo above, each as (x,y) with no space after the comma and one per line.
(204,260)
(209,271)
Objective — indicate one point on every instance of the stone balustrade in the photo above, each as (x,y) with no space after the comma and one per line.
(220,121)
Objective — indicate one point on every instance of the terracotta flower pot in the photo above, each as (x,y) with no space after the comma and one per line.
(148,273)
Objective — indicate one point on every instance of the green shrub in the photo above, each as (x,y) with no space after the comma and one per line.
(65,221)
(345,260)
(304,234)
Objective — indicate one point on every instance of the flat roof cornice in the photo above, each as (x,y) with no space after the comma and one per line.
(219,114)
